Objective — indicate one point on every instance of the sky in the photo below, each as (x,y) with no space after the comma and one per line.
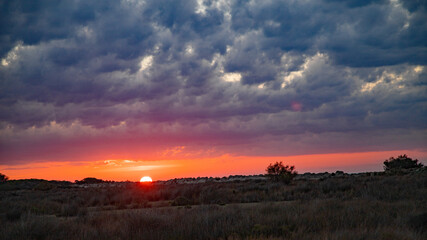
(185,88)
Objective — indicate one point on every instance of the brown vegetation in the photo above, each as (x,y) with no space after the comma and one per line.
(326,206)
(280,172)
(401,163)
(3,178)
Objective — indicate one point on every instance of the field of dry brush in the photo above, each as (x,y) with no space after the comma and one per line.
(334,206)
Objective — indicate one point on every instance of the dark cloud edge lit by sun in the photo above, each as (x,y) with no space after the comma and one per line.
(149,85)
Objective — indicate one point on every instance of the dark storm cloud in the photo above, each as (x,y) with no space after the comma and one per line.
(235,70)
(370,33)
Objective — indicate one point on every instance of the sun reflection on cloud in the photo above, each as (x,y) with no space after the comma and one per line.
(173,151)
(418,69)
(132,165)
(392,79)
(146,63)
(232,77)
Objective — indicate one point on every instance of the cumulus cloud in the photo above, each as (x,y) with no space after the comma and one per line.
(220,75)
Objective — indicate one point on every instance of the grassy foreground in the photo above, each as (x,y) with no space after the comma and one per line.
(363,206)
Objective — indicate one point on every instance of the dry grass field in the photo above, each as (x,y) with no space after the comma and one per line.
(323,206)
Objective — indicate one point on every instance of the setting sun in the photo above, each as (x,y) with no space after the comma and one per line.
(146,179)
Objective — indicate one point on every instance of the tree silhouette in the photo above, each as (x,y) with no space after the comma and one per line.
(3,178)
(89,180)
(400,163)
(279,172)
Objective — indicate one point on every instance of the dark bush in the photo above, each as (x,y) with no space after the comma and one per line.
(14,214)
(279,172)
(90,180)
(419,222)
(400,163)
(69,210)
(267,230)
(3,178)
(181,201)
(44,186)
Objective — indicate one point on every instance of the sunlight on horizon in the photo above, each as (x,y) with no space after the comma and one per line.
(131,170)
(146,179)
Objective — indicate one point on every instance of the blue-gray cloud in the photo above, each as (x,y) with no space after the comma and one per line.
(236,71)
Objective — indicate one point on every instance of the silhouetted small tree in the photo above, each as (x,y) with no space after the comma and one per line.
(279,172)
(89,180)
(400,163)
(3,178)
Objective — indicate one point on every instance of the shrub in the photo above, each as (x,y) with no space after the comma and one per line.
(14,214)
(279,172)
(181,201)
(400,163)
(44,186)
(267,230)
(3,178)
(89,180)
(69,210)
(418,222)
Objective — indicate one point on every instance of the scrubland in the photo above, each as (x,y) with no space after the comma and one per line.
(340,206)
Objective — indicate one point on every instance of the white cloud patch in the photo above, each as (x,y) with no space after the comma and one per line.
(232,77)
(391,78)
(14,54)
(146,63)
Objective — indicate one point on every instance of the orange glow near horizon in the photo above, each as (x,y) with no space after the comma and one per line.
(132,170)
